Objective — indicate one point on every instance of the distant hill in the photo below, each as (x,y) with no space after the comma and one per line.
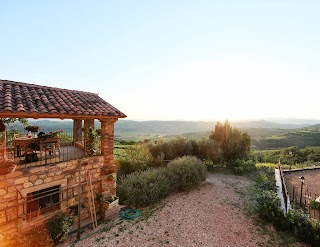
(173,127)
(267,125)
(181,127)
(162,127)
(46,125)
(292,120)
(301,138)
(264,134)
(314,127)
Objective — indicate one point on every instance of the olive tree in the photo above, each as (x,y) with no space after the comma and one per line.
(234,143)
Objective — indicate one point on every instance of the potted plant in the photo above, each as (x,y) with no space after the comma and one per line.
(50,137)
(2,126)
(109,201)
(32,128)
(98,131)
(7,166)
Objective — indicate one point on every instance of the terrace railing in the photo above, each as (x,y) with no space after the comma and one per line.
(29,151)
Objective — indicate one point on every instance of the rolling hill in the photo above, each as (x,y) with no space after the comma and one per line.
(265,134)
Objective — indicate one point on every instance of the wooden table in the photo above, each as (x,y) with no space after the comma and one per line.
(33,144)
(23,143)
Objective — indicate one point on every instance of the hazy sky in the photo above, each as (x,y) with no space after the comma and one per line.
(168,60)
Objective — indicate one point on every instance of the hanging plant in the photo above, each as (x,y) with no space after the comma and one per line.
(2,127)
(7,166)
(91,142)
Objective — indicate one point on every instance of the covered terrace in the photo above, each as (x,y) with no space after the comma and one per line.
(23,100)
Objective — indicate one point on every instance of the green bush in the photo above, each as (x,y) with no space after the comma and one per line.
(266,180)
(186,172)
(59,227)
(204,149)
(177,147)
(315,205)
(242,166)
(209,150)
(136,158)
(268,207)
(303,227)
(143,188)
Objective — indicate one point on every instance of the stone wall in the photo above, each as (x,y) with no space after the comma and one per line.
(14,188)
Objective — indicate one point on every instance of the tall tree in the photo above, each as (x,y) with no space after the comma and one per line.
(234,143)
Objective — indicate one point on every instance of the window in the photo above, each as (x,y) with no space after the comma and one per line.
(43,201)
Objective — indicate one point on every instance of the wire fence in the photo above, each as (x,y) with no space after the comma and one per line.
(300,196)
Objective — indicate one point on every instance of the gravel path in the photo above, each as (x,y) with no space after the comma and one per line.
(210,215)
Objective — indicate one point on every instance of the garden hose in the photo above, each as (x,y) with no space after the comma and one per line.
(130,214)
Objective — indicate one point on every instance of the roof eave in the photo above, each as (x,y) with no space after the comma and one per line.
(58,116)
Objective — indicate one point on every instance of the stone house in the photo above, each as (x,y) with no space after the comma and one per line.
(57,180)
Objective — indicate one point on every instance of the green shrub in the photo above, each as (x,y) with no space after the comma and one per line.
(209,150)
(186,172)
(242,166)
(142,188)
(136,158)
(315,205)
(204,149)
(177,147)
(266,180)
(59,227)
(268,207)
(303,227)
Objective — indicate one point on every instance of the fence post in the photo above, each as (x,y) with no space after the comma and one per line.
(293,193)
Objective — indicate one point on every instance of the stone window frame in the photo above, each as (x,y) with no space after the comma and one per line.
(24,192)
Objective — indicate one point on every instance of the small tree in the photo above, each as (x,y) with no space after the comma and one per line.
(234,143)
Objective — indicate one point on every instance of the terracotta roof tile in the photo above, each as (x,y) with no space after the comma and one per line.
(42,101)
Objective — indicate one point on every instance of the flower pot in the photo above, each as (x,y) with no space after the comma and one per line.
(7,167)
(32,128)
(2,127)
(48,139)
(107,205)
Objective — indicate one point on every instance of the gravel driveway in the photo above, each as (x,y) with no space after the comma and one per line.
(210,215)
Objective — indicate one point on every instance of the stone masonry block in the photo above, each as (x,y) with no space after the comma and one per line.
(38,182)
(47,180)
(58,177)
(27,185)
(13,174)
(33,178)
(21,180)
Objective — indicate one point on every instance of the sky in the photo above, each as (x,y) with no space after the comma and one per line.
(171,59)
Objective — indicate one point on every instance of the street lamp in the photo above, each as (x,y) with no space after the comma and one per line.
(302,182)
(290,153)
